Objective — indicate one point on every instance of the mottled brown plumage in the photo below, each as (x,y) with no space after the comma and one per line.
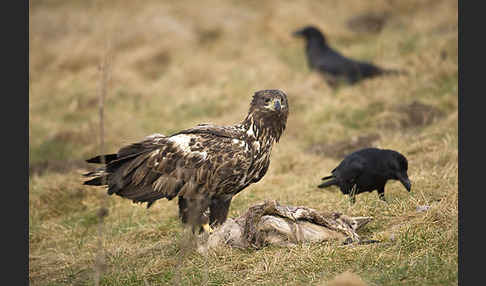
(204,166)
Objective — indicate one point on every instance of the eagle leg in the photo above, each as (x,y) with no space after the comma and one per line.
(192,212)
(207,228)
(183,210)
(218,210)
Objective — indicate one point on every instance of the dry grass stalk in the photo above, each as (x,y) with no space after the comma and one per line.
(105,69)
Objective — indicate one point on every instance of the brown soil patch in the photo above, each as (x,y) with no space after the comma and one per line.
(369,22)
(418,114)
(155,65)
(71,136)
(342,148)
(415,114)
(209,35)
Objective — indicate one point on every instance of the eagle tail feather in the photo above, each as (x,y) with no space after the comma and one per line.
(394,72)
(108,158)
(98,181)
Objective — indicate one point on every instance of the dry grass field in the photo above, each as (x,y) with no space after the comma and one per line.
(174,64)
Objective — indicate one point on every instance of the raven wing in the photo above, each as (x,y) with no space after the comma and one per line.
(334,63)
(348,172)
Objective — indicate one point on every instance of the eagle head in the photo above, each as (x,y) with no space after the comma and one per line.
(268,112)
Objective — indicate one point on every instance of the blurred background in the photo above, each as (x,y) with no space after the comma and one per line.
(174,64)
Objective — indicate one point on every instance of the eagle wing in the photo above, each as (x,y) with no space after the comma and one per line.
(233,132)
(207,159)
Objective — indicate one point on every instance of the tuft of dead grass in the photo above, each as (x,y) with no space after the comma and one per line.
(346,279)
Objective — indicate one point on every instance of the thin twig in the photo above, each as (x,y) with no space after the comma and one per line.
(100,263)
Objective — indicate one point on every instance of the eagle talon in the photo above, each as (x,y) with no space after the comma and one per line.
(207,228)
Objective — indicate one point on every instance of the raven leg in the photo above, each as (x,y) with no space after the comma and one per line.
(381,194)
(218,210)
(333,82)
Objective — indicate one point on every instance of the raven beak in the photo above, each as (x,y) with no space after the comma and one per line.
(276,105)
(297,33)
(405,182)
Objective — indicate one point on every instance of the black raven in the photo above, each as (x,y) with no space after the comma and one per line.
(367,170)
(334,66)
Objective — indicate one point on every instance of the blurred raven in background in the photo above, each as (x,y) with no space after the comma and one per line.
(334,66)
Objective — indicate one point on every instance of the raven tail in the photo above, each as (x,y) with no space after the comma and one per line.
(328,183)
(394,72)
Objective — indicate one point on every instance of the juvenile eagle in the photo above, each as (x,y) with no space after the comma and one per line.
(367,170)
(204,166)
